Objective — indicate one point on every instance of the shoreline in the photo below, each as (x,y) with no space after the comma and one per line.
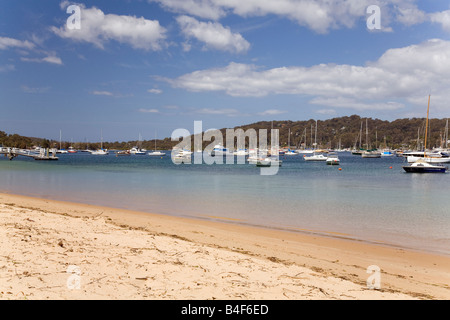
(404,273)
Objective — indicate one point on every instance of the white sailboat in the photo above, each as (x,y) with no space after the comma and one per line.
(422,165)
(156,153)
(370,153)
(315,156)
(101,151)
(137,150)
(290,152)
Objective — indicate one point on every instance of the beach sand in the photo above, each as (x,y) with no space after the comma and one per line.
(61,250)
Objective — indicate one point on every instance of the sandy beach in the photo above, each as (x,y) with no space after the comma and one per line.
(61,250)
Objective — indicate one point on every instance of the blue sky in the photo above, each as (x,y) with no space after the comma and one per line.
(136,67)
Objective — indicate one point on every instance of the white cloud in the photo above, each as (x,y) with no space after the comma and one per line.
(271,112)
(155,91)
(408,73)
(207,9)
(340,102)
(6,43)
(326,111)
(408,14)
(102,93)
(320,16)
(213,35)
(148,110)
(27,89)
(224,112)
(52,59)
(443,18)
(98,28)
(317,15)
(7,68)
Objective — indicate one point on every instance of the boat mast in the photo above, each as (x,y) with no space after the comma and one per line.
(315,138)
(426,127)
(446,135)
(360,136)
(367,136)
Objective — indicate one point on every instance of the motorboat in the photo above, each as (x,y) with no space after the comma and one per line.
(180,157)
(241,152)
(123,153)
(156,154)
(268,162)
(315,157)
(220,150)
(332,159)
(72,150)
(137,151)
(371,154)
(290,153)
(387,153)
(100,152)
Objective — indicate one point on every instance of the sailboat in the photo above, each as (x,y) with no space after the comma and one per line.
(137,150)
(156,153)
(315,156)
(290,152)
(61,150)
(421,165)
(358,152)
(101,151)
(370,153)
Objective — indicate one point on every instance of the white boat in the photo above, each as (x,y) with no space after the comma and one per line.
(304,151)
(387,153)
(181,157)
(422,165)
(220,150)
(156,153)
(432,157)
(371,154)
(315,157)
(290,153)
(268,162)
(241,152)
(137,151)
(100,152)
(332,158)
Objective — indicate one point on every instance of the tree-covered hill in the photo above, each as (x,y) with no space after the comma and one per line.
(343,131)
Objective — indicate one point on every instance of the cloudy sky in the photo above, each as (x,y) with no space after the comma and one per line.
(136,67)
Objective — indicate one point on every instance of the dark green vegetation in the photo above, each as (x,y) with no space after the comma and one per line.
(401,133)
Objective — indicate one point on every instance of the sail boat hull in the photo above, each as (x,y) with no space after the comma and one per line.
(425,169)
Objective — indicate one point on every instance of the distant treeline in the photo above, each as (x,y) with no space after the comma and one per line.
(332,133)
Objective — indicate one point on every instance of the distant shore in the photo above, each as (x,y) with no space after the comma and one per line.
(122,254)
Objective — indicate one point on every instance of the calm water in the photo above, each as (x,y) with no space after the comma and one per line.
(366,200)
